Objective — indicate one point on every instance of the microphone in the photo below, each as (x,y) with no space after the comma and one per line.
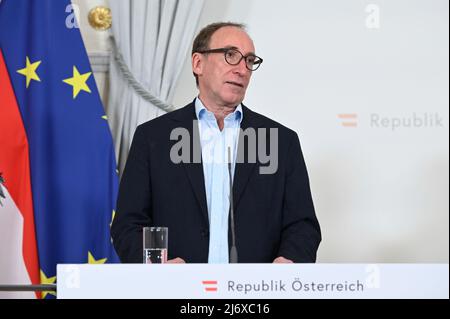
(233,251)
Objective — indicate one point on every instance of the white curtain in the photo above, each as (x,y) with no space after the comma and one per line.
(152,39)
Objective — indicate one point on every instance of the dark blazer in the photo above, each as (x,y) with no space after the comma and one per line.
(274,214)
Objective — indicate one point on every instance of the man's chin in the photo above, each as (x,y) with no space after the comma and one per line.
(233,101)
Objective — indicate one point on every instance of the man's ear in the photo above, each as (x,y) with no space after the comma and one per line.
(197,63)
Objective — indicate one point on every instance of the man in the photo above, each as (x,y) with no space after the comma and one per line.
(273,218)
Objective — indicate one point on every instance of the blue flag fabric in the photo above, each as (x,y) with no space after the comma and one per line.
(73,169)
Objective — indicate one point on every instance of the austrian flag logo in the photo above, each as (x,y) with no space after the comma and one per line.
(210,285)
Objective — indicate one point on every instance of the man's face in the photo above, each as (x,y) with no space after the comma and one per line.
(219,82)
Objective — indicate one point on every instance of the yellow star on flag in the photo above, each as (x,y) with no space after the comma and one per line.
(47,281)
(91,259)
(78,81)
(29,71)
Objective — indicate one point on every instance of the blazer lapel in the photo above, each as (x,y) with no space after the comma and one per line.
(243,170)
(194,170)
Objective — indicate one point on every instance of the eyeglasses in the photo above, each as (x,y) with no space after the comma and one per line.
(234,57)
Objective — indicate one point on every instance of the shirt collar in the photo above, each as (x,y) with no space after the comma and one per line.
(201,111)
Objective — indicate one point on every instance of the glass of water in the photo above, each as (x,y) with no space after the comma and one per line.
(155,244)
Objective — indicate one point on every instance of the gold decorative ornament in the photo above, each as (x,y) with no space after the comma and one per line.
(100,18)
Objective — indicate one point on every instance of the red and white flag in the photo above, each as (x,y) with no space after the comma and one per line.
(19,262)
(12,263)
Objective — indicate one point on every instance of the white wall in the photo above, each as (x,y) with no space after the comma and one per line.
(381,194)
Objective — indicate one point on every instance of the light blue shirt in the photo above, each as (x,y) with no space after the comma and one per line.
(215,144)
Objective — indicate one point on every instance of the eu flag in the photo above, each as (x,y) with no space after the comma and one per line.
(71,155)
